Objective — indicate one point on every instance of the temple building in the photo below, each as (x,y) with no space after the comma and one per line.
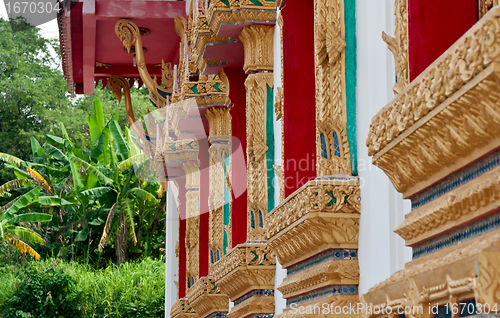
(321,158)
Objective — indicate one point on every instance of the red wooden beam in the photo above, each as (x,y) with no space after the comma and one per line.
(89,35)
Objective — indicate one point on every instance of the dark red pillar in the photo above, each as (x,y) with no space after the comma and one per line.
(182,236)
(237,94)
(299,94)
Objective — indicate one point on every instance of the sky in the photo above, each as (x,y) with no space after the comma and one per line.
(49,29)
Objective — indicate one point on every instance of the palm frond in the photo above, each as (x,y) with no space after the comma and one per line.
(22,247)
(130,220)
(91,169)
(53,201)
(107,228)
(14,184)
(145,195)
(11,159)
(31,217)
(127,164)
(97,191)
(7,206)
(21,202)
(25,233)
(39,179)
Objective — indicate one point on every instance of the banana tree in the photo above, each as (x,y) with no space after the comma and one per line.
(13,233)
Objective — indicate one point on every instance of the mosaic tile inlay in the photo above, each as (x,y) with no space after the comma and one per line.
(478,228)
(218,315)
(254,293)
(262,316)
(335,290)
(337,254)
(456,180)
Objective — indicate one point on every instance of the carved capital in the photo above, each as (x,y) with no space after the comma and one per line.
(258,44)
(219,121)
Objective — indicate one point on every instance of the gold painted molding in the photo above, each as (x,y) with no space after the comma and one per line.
(129,33)
(485,5)
(192,172)
(245,268)
(219,121)
(258,45)
(257,188)
(332,302)
(319,276)
(398,45)
(252,306)
(182,309)
(461,272)
(456,208)
(321,215)
(332,146)
(450,109)
(206,297)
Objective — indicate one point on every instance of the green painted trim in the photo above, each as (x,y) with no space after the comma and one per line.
(351,80)
(227,193)
(270,150)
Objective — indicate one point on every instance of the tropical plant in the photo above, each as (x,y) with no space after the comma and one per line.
(99,204)
(13,233)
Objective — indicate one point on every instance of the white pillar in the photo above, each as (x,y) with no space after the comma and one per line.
(171,238)
(381,252)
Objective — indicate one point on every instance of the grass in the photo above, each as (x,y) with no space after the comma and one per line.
(134,289)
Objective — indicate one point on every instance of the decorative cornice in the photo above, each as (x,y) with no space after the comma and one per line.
(314,308)
(469,202)
(206,297)
(468,270)
(246,267)
(338,195)
(182,309)
(253,306)
(451,109)
(322,275)
(258,44)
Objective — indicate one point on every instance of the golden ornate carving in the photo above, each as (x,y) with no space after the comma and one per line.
(451,109)
(129,33)
(461,272)
(319,216)
(485,5)
(100,64)
(278,104)
(313,309)
(398,45)
(332,146)
(219,121)
(183,309)
(257,195)
(252,306)
(322,275)
(206,297)
(281,179)
(258,44)
(192,172)
(245,268)
(475,198)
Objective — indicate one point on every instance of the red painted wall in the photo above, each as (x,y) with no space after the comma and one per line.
(204,187)
(182,236)
(299,94)
(433,26)
(237,94)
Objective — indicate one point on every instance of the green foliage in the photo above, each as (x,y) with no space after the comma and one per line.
(133,289)
(35,99)
(43,291)
(79,189)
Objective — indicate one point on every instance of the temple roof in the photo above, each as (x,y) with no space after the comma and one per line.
(91,51)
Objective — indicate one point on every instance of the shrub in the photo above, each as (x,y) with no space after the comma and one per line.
(44,291)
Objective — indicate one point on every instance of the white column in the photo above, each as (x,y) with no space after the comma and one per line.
(279,301)
(381,252)
(171,238)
